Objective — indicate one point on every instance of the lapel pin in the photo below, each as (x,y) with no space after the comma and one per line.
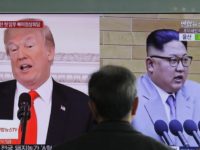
(63,108)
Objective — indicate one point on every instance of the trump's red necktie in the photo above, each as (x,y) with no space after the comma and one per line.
(31,129)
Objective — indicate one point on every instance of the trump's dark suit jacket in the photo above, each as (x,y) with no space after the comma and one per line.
(65,124)
(112,136)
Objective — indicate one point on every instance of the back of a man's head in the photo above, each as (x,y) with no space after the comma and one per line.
(158,38)
(112,89)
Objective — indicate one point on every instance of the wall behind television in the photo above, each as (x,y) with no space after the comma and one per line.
(123,36)
(99,6)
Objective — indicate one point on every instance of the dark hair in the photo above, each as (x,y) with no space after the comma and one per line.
(112,89)
(160,37)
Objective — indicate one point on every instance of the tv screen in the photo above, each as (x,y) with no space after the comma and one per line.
(76,38)
(76,46)
(123,42)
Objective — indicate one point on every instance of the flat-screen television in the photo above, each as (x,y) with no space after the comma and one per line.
(86,42)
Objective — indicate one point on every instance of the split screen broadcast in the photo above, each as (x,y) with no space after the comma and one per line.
(52,57)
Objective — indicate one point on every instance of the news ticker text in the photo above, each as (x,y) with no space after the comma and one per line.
(25,147)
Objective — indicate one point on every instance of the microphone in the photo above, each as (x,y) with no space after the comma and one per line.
(177,129)
(24,105)
(161,129)
(23,113)
(190,128)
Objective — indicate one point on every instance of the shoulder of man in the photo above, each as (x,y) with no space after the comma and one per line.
(192,83)
(191,90)
(190,87)
(152,144)
(144,85)
(9,83)
(143,80)
(66,90)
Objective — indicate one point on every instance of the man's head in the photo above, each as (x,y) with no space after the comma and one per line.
(31,51)
(167,60)
(112,93)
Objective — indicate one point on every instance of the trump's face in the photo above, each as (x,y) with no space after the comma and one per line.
(165,71)
(30,56)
